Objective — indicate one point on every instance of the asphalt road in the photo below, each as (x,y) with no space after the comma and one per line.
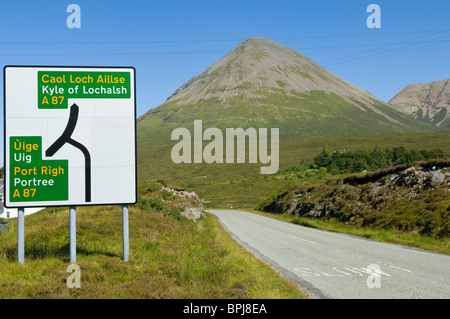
(339,266)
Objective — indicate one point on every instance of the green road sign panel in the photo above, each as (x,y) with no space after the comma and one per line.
(55,88)
(32,178)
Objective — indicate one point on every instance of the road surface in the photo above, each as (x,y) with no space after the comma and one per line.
(340,266)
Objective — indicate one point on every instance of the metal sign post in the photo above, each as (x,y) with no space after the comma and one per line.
(21,235)
(125,234)
(73,234)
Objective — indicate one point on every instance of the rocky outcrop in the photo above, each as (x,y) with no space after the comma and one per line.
(189,202)
(405,198)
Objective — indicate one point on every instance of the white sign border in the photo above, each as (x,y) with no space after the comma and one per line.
(69,204)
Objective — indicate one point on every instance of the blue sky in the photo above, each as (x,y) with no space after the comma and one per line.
(168,42)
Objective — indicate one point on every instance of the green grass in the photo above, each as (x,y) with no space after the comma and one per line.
(245,193)
(169,258)
(315,113)
(242,185)
(154,157)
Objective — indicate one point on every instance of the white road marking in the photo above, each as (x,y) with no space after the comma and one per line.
(340,271)
(402,269)
(308,241)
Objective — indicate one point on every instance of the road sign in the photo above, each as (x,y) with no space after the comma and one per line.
(70,136)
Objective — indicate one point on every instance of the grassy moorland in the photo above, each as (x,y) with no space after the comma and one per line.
(155,163)
(242,186)
(170,257)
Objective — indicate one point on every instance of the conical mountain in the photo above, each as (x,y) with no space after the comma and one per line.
(261,83)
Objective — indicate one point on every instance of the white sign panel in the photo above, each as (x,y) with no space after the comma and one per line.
(70,136)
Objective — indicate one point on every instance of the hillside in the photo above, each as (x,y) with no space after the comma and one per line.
(403,199)
(429,102)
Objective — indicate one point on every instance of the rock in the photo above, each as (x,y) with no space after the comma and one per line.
(3,226)
(191,204)
(193,213)
(437,177)
(375,190)
(293,206)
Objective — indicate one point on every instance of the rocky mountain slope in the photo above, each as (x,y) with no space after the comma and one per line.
(261,83)
(429,102)
(401,198)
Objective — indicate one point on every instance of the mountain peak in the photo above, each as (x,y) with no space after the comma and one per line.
(258,41)
(262,81)
(262,64)
(429,102)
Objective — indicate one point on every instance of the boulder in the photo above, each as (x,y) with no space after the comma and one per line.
(193,213)
(437,177)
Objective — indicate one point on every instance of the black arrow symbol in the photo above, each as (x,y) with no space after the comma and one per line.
(66,137)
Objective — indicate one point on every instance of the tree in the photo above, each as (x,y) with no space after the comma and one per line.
(323,159)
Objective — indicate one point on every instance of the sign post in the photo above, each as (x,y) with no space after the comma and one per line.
(70,139)
(21,236)
(125,235)
(73,234)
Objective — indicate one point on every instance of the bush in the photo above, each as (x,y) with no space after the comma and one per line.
(157,205)
(344,162)
(150,203)
(174,213)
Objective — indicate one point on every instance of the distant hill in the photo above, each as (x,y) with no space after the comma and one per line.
(429,102)
(261,83)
